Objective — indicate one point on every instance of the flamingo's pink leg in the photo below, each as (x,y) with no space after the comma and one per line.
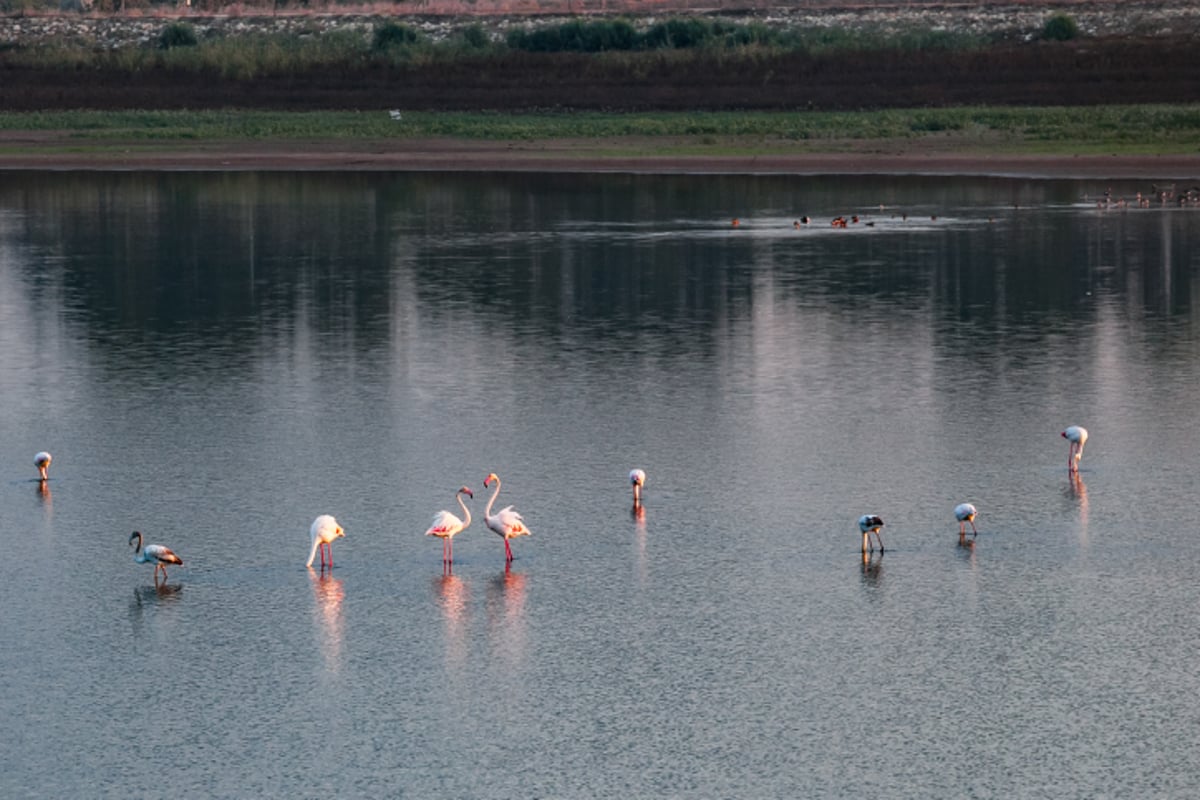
(508,556)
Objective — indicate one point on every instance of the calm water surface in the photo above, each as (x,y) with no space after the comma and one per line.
(216,359)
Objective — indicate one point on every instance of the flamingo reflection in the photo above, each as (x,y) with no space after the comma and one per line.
(328,595)
(159,592)
(149,600)
(638,513)
(506,614)
(872,568)
(1077,490)
(451,594)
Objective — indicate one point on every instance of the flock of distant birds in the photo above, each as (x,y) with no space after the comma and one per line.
(1163,194)
(508,524)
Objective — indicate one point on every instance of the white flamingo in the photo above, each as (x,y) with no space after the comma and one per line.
(1077,436)
(868,524)
(42,462)
(637,478)
(446,525)
(155,554)
(324,530)
(964,513)
(506,523)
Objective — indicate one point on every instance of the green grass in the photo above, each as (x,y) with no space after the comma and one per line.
(1134,130)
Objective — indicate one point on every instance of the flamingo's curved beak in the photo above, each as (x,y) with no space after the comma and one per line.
(341,534)
(1063,434)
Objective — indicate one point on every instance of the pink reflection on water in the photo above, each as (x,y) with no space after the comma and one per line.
(506,615)
(451,593)
(638,514)
(329,594)
(1077,490)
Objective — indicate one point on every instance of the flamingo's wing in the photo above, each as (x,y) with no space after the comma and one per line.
(161,554)
(444,524)
(512,522)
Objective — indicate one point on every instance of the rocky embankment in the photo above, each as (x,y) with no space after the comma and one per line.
(439,18)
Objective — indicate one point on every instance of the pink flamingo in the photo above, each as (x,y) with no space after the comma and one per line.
(1077,436)
(505,522)
(324,530)
(964,513)
(637,478)
(155,554)
(42,462)
(446,525)
(868,524)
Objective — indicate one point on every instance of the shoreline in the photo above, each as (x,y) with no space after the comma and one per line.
(526,157)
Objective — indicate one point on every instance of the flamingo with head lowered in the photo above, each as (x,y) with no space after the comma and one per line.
(324,530)
(868,524)
(637,479)
(446,525)
(42,462)
(964,513)
(505,523)
(155,554)
(1077,436)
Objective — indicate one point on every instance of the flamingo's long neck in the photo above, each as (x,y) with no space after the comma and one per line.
(467,511)
(313,553)
(487,512)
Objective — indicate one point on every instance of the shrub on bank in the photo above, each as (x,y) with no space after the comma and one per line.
(390,35)
(177,34)
(1060,28)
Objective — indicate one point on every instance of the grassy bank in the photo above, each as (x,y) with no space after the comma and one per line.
(1118,130)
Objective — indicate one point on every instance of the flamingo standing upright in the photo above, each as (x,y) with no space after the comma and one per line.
(1077,436)
(324,530)
(868,524)
(155,554)
(446,525)
(506,523)
(964,513)
(637,478)
(42,462)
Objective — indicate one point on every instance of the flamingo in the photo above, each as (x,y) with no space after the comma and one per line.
(637,478)
(324,530)
(868,524)
(155,554)
(964,513)
(42,462)
(445,525)
(506,522)
(1077,436)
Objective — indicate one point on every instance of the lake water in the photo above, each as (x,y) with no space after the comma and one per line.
(216,359)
